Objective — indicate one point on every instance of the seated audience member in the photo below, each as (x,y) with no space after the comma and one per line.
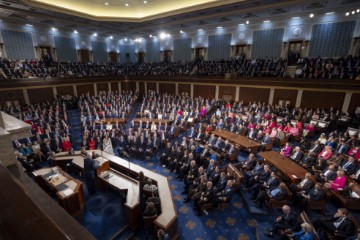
(279,193)
(316,148)
(206,196)
(304,234)
(309,161)
(342,148)
(338,183)
(26,151)
(150,187)
(349,166)
(340,223)
(286,150)
(270,184)
(150,210)
(322,139)
(354,152)
(305,185)
(315,194)
(326,153)
(287,221)
(225,195)
(325,174)
(162,235)
(356,175)
(297,155)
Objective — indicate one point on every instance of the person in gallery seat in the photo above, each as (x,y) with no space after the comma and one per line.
(150,210)
(287,221)
(279,193)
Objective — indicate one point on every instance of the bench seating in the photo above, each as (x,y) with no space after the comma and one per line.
(345,201)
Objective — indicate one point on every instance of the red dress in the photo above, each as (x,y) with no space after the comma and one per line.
(92,145)
(66,144)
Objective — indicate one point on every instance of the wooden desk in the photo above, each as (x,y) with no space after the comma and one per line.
(285,165)
(167,220)
(119,181)
(111,120)
(152,120)
(68,190)
(245,143)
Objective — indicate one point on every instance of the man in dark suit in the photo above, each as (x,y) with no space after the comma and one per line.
(316,148)
(349,166)
(327,174)
(305,184)
(205,197)
(271,183)
(308,161)
(297,155)
(315,194)
(356,175)
(279,193)
(283,222)
(90,166)
(340,224)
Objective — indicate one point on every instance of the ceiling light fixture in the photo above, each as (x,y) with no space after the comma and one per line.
(311,15)
(218,27)
(150,36)
(29,25)
(106,3)
(199,30)
(75,31)
(329,13)
(358,10)
(95,34)
(126,4)
(126,39)
(111,37)
(266,21)
(145,2)
(295,17)
(247,22)
(241,24)
(54,29)
(353,12)
(347,14)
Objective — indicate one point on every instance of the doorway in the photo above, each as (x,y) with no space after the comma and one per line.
(294,52)
(84,55)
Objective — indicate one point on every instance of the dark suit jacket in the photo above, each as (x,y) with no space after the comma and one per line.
(316,195)
(281,195)
(298,157)
(289,220)
(308,186)
(346,227)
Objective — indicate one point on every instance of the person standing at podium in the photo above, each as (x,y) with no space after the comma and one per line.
(90,166)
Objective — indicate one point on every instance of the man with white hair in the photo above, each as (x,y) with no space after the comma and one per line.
(283,222)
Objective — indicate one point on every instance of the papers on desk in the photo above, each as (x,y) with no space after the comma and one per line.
(294,176)
(67,192)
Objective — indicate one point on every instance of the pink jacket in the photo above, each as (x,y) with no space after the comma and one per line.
(339,182)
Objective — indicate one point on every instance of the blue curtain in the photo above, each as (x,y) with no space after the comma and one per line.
(65,49)
(331,39)
(267,43)
(219,47)
(152,51)
(127,53)
(182,49)
(99,50)
(18,45)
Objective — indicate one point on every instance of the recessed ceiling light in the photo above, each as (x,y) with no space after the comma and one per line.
(75,31)
(347,14)
(353,12)
(150,35)
(311,15)
(329,13)
(218,27)
(29,25)
(126,39)
(95,34)
(181,31)
(111,37)
(54,29)
(241,24)
(358,10)
(266,21)
(106,3)
(126,4)
(199,30)
(295,17)
(247,22)
(145,2)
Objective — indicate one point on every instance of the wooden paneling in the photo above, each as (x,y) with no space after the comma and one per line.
(141,87)
(84,89)
(114,87)
(37,95)
(151,86)
(254,94)
(316,99)
(226,91)
(167,88)
(285,94)
(184,88)
(126,86)
(65,90)
(355,102)
(12,95)
(205,91)
(101,87)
